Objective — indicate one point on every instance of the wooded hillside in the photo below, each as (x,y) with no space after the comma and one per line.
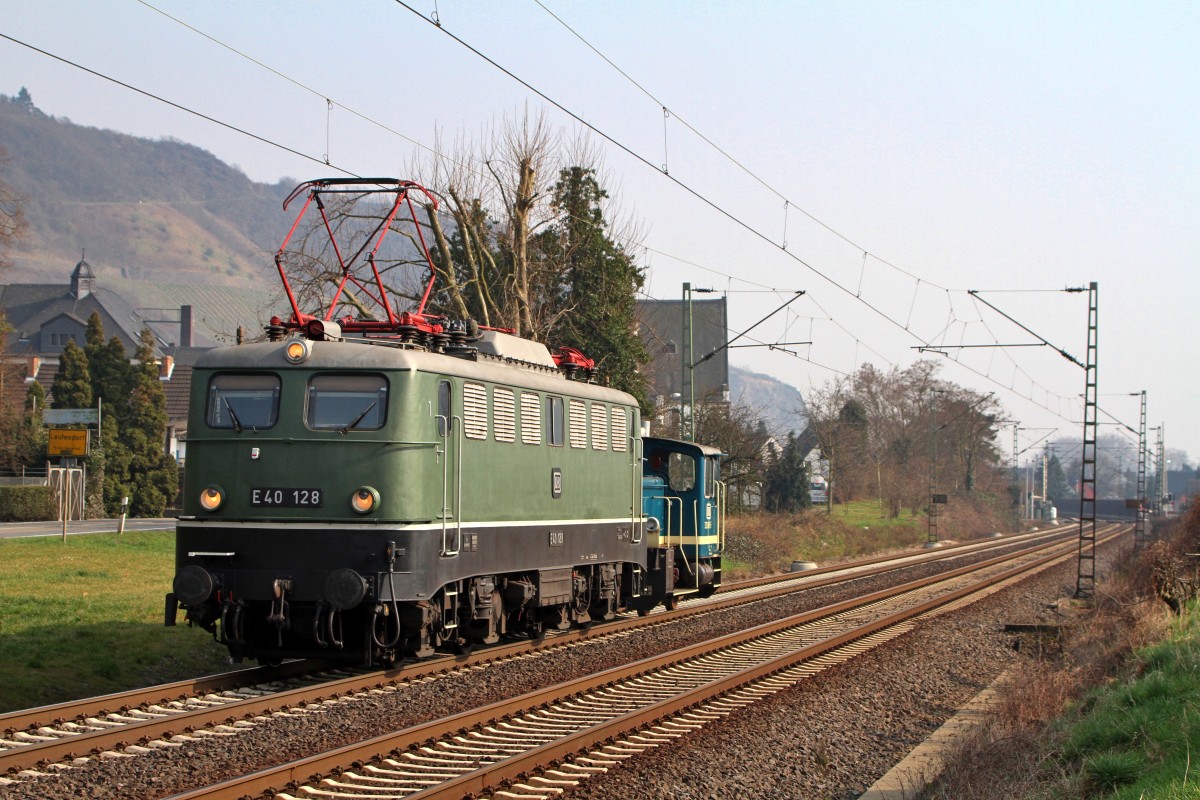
(152,210)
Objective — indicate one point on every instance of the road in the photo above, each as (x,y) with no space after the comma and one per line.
(18,530)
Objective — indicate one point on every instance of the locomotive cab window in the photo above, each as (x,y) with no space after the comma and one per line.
(346,402)
(712,465)
(681,472)
(242,402)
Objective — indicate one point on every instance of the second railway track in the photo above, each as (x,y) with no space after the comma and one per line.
(156,727)
(470,754)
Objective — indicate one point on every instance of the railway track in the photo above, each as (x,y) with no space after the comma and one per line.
(163,716)
(539,743)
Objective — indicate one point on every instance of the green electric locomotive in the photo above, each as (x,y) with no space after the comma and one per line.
(370,489)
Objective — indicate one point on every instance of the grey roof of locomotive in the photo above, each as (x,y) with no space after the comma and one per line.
(493,367)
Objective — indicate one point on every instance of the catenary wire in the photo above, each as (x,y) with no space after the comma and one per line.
(788,204)
(305,156)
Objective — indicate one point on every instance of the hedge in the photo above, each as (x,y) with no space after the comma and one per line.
(27,504)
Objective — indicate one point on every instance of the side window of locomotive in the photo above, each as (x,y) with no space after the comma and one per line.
(554,418)
(444,423)
(711,466)
(681,472)
(242,402)
(346,403)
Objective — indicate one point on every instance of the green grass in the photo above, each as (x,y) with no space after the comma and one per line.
(761,542)
(869,513)
(84,617)
(1139,739)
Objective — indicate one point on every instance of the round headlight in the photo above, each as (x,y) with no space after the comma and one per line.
(364,499)
(296,351)
(211,498)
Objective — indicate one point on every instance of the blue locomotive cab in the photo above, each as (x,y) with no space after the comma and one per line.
(683,502)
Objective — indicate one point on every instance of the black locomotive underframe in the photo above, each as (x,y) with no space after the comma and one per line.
(507,579)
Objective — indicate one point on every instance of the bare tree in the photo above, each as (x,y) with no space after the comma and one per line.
(740,434)
(836,418)
(900,421)
(17,435)
(12,218)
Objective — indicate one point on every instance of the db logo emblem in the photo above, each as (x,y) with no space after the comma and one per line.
(253,453)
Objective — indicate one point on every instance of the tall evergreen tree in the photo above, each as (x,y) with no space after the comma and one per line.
(109,367)
(35,400)
(108,464)
(72,387)
(153,474)
(110,461)
(600,284)
(1058,486)
(786,486)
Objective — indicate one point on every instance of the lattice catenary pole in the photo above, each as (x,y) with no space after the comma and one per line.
(1085,582)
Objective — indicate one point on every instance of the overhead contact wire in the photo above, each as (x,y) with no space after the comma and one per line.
(183,108)
(644,161)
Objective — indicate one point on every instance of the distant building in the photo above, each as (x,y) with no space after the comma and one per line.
(661,326)
(45,317)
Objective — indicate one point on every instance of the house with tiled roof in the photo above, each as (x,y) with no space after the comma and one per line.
(44,317)
(186,319)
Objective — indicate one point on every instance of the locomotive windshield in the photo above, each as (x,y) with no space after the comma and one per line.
(243,401)
(346,402)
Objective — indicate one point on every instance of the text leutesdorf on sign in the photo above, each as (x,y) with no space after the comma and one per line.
(68,442)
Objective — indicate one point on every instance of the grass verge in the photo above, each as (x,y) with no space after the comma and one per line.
(84,617)
(1135,737)
(1112,714)
(767,543)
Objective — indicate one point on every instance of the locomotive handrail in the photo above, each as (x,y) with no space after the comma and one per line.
(449,550)
(635,506)
(722,489)
(667,500)
(696,535)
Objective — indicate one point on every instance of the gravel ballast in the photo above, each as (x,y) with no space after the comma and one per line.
(829,737)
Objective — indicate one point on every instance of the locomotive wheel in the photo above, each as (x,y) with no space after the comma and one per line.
(670,602)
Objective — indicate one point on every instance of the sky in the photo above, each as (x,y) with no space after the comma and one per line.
(883,157)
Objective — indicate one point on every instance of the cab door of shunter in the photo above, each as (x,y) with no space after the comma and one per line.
(449,447)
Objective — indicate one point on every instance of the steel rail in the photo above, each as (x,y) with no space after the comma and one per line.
(20,720)
(164,725)
(313,767)
(910,558)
